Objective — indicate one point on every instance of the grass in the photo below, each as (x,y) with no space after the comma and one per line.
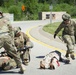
(50,28)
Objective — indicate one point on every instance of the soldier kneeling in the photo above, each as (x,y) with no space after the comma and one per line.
(23,44)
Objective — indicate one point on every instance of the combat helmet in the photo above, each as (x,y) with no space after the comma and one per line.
(17,29)
(66,16)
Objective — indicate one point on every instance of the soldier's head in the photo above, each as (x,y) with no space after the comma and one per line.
(50,65)
(1,14)
(17,31)
(66,17)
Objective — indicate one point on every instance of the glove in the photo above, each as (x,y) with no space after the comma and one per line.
(54,36)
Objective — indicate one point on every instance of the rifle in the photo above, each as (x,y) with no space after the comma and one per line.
(25,48)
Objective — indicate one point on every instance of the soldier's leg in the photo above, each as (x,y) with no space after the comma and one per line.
(67,52)
(26,57)
(72,52)
(70,44)
(65,38)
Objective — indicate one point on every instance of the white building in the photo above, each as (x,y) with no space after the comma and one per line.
(9,16)
(47,15)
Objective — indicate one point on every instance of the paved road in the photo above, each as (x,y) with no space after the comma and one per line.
(40,49)
(48,39)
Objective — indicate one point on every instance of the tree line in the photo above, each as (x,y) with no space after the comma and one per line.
(33,7)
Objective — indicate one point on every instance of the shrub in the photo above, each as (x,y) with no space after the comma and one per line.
(14,9)
(73,11)
(62,7)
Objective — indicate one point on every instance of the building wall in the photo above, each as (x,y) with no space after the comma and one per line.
(9,16)
(55,15)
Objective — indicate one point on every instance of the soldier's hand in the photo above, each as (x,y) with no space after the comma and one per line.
(54,36)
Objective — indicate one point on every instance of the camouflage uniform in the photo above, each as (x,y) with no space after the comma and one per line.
(67,35)
(7,42)
(7,63)
(21,42)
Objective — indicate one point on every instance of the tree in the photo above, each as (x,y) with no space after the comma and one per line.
(31,8)
(1,2)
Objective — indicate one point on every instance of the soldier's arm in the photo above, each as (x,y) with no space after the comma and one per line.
(11,29)
(75,29)
(59,28)
(26,39)
(25,36)
(28,43)
(75,24)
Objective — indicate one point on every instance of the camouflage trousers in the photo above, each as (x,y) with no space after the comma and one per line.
(8,44)
(70,42)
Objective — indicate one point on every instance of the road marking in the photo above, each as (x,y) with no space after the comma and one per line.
(44,44)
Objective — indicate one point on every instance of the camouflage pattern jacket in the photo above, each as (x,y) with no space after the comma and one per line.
(68,29)
(5,26)
(21,40)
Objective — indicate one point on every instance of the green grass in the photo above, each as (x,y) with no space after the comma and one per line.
(50,28)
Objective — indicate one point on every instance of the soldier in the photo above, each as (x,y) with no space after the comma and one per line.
(23,44)
(51,60)
(6,61)
(6,41)
(68,27)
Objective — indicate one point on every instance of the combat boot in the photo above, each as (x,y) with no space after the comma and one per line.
(22,69)
(26,62)
(67,55)
(72,56)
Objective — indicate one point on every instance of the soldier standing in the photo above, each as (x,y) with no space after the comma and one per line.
(7,42)
(68,26)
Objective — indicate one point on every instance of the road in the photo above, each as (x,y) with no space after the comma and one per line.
(40,49)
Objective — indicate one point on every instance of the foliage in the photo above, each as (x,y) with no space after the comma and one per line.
(73,11)
(1,2)
(14,9)
(33,7)
(7,3)
(45,7)
(62,7)
(50,28)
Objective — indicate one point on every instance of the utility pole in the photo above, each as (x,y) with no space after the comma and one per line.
(51,7)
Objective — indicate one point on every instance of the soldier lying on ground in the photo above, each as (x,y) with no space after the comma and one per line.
(51,60)
(6,61)
(22,42)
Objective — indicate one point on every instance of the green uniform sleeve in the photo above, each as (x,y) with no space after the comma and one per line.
(59,28)
(75,28)
(28,43)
